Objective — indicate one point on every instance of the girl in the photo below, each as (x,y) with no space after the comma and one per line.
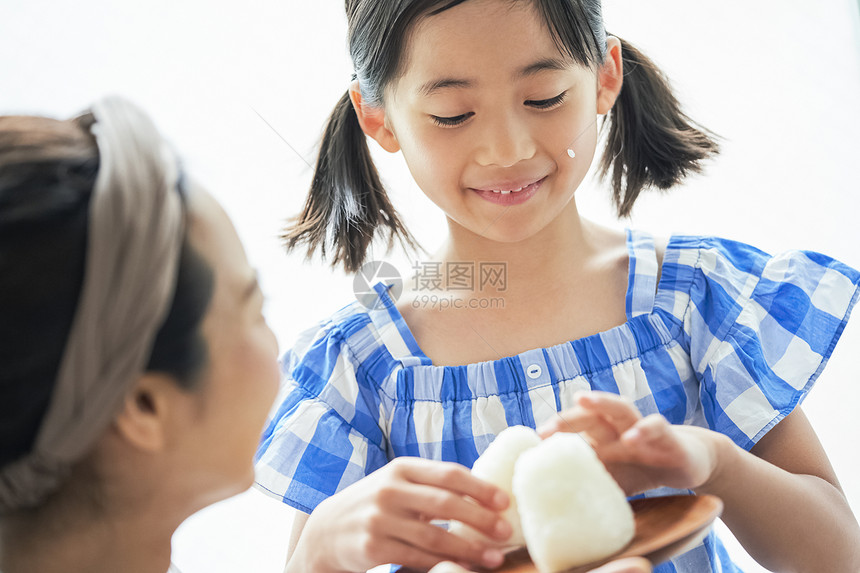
(132,341)
(683,362)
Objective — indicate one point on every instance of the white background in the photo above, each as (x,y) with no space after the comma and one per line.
(778,79)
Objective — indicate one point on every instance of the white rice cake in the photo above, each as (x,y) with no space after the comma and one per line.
(496,465)
(572,510)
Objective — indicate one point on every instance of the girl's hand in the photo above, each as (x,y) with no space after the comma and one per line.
(640,453)
(630,565)
(385,518)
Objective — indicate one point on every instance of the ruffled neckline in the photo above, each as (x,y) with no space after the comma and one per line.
(646,328)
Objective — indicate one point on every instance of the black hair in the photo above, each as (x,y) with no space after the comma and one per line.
(649,141)
(47,172)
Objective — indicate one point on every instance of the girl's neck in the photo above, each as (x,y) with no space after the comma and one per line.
(567,281)
(560,252)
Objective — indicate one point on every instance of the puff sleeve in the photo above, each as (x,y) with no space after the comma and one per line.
(760,329)
(323,433)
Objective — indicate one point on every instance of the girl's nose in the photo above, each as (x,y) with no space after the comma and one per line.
(504,142)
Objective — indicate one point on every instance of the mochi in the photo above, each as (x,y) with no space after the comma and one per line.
(571,509)
(496,465)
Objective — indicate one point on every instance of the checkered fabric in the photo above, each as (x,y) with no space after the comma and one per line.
(731,339)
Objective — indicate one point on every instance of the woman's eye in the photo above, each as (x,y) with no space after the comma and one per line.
(547,103)
(451,121)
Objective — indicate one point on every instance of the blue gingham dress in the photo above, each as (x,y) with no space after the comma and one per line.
(732,341)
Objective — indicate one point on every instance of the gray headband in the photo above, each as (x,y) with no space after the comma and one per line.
(136,228)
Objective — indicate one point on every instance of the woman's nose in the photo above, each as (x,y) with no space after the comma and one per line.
(505,141)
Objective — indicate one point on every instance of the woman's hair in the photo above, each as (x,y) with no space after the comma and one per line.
(649,143)
(48,169)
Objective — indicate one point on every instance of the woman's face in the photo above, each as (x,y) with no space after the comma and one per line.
(240,381)
(485,113)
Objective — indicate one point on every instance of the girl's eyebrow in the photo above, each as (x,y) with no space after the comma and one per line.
(434,86)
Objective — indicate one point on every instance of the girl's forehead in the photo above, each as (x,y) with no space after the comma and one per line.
(497,38)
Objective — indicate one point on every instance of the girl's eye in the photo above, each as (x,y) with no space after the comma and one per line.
(548,103)
(538,104)
(451,121)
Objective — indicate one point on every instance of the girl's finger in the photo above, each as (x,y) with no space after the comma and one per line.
(452,477)
(650,428)
(649,442)
(448,567)
(618,410)
(395,551)
(577,420)
(652,439)
(597,430)
(414,500)
(436,541)
(630,565)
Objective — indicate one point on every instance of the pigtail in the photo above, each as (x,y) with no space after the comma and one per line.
(650,141)
(347,202)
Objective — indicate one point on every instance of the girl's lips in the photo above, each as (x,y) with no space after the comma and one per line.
(511,197)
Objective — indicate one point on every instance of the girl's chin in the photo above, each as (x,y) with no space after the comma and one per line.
(504,229)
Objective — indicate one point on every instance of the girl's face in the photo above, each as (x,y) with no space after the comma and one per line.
(485,112)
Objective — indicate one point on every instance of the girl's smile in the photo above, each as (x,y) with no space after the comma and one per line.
(510,193)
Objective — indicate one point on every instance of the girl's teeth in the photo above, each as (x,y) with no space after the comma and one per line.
(510,190)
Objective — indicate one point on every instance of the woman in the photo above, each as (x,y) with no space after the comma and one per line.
(137,368)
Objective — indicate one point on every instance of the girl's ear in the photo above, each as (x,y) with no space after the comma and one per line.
(143,419)
(372,121)
(610,77)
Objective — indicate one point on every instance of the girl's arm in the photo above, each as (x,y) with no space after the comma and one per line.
(784,503)
(782,499)
(385,518)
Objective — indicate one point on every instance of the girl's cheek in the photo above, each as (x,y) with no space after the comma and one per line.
(573,129)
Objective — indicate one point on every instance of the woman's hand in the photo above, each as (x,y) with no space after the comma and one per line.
(630,565)
(640,453)
(385,518)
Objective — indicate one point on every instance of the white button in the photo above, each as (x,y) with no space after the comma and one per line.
(534,371)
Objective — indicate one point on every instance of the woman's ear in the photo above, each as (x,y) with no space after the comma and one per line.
(144,417)
(372,121)
(610,77)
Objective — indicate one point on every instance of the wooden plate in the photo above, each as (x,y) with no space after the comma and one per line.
(665,526)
